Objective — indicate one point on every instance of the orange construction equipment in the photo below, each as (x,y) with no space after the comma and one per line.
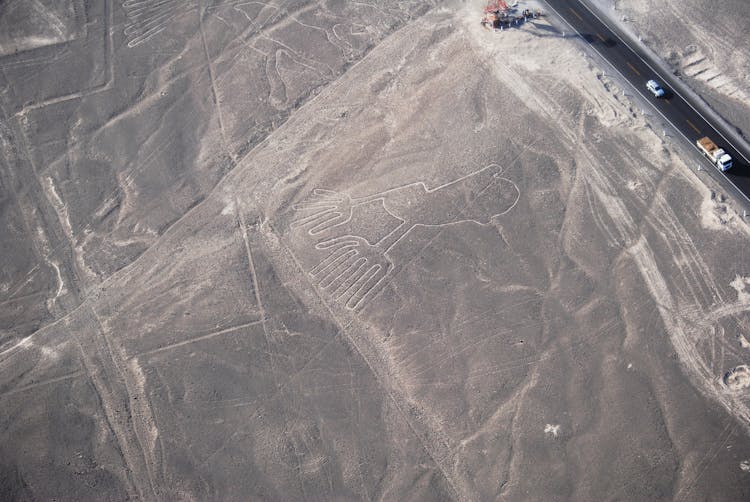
(499,15)
(494,12)
(493,6)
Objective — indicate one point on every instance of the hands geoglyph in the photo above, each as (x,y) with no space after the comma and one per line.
(354,268)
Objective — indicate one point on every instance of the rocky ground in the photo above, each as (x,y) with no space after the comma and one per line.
(349,250)
(703,41)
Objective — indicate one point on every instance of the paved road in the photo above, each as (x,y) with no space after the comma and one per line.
(637,68)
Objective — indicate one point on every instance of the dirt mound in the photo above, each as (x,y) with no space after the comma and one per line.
(737,378)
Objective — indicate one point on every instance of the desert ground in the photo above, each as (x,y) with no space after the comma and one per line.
(704,42)
(329,250)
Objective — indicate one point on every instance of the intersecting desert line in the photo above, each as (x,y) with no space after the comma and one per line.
(340,250)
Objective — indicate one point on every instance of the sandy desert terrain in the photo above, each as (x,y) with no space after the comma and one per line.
(325,250)
(703,41)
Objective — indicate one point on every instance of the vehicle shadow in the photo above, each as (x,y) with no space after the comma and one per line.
(594,39)
(545,27)
(740,170)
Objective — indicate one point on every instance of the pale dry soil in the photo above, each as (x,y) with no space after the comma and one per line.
(706,42)
(453,265)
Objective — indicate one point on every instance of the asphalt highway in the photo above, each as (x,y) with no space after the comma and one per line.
(637,68)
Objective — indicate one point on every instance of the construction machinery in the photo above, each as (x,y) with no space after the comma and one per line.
(498,15)
(496,6)
(494,13)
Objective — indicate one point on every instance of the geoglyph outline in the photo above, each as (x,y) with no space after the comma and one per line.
(354,269)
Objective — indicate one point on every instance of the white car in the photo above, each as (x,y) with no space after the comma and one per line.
(655,88)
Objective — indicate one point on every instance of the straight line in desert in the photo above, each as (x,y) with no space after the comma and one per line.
(215,92)
(49,381)
(438,457)
(207,336)
(256,288)
(124,271)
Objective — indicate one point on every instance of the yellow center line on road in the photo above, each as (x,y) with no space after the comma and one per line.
(576,14)
(600,37)
(634,69)
(693,126)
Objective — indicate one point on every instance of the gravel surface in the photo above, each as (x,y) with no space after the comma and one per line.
(344,251)
(705,42)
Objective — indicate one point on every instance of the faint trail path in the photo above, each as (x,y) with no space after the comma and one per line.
(95,291)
